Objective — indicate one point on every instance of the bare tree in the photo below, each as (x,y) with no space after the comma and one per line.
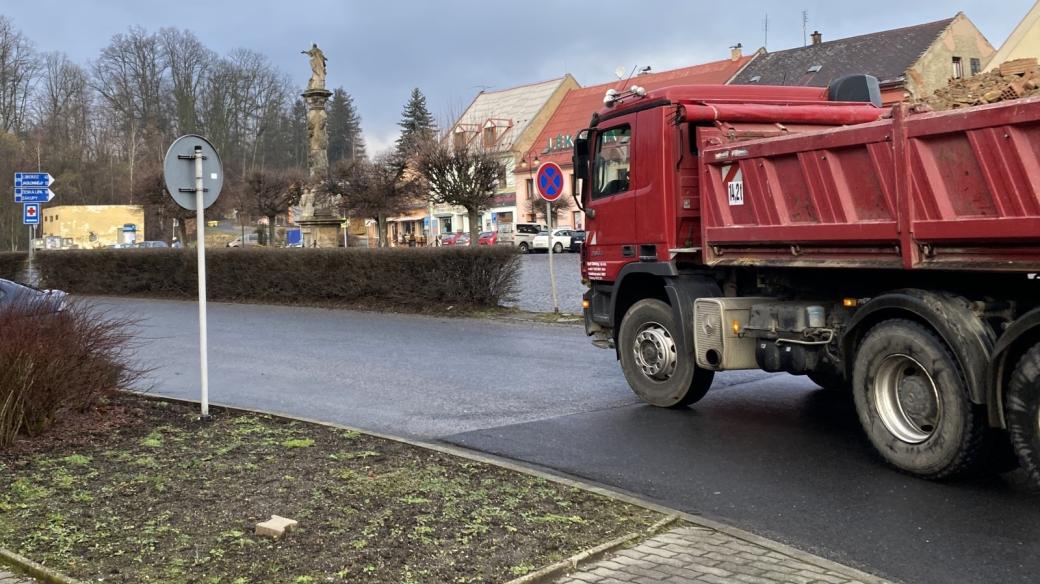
(152,190)
(376,189)
(466,177)
(19,69)
(129,76)
(273,193)
(187,60)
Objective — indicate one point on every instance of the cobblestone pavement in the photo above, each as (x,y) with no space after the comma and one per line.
(534,292)
(701,555)
(9,578)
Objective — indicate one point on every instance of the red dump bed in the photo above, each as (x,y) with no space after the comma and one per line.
(950,190)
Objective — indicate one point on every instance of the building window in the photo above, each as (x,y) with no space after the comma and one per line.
(459,138)
(976,66)
(530,188)
(502,180)
(958,68)
(489,136)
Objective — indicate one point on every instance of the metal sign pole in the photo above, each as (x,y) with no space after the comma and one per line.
(552,273)
(29,271)
(200,245)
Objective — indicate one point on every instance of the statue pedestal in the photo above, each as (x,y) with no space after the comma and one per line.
(321,231)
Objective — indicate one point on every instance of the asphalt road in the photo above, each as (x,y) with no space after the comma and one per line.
(767,453)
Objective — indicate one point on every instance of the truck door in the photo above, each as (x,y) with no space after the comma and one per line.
(611,241)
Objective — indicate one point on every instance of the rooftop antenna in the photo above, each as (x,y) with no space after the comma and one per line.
(630,74)
(765,29)
(805,28)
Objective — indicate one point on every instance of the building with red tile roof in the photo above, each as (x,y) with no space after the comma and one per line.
(555,141)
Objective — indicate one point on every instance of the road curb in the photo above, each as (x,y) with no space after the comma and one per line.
(33,569)
(553,571)
(569,481)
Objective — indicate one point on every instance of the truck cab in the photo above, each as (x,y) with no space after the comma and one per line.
(810,231)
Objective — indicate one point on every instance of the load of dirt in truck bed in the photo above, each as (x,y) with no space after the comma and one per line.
(1012,80)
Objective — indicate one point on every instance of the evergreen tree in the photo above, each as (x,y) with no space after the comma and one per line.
(417,125)
(346,141)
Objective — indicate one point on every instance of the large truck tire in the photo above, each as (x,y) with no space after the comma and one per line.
(912,400)
(656,371)
(1023,413)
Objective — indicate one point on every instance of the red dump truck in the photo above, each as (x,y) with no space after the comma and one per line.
(879,251)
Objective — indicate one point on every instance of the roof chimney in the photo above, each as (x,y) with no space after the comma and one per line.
(817,38)
(735,52)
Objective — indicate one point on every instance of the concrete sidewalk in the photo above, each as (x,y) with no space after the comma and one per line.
(701,555)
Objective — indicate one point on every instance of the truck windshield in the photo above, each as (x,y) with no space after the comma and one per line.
(612,162)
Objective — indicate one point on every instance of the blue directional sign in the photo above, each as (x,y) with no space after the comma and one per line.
(31,215)
(550,181)
(33,195)
(33,179)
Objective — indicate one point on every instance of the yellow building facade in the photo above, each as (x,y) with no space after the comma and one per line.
(91,226)
(1024,41)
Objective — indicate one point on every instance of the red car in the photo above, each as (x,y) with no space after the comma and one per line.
(488,238)
(455,239)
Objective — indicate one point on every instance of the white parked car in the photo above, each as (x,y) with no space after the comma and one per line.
(561,240)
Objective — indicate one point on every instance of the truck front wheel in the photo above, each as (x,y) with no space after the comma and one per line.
(656,370)
(912,400)
(1023,412)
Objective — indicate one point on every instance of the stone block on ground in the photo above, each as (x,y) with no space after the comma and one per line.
(275,527)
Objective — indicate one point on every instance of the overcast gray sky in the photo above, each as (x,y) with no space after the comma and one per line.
(379,50)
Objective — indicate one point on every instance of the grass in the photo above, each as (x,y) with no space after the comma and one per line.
(166,498)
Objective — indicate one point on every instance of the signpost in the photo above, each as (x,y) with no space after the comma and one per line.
(31,189)
(33,179)
(549,181)
(33,195)
(31,214)
(194,178)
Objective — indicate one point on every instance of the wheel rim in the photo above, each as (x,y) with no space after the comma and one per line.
(654,350)
(907,399)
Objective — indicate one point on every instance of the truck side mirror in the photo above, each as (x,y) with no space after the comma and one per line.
(581,167)
(581,155)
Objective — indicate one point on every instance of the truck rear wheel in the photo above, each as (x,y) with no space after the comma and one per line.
(655,369)
(1023,412)
(912,400)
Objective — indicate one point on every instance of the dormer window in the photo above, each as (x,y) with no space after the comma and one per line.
(489,135)
(459,137)
(814,69)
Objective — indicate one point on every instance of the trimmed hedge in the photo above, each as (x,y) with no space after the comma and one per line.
(12,263)
(415,279)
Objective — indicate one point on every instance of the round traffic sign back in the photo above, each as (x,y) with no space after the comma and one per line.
(549,181)
(179,171)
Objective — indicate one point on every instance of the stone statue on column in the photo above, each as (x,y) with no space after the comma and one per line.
(320,226)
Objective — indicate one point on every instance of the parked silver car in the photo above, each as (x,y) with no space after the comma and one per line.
(14,293)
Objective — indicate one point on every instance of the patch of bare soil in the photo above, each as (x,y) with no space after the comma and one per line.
(141,491)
